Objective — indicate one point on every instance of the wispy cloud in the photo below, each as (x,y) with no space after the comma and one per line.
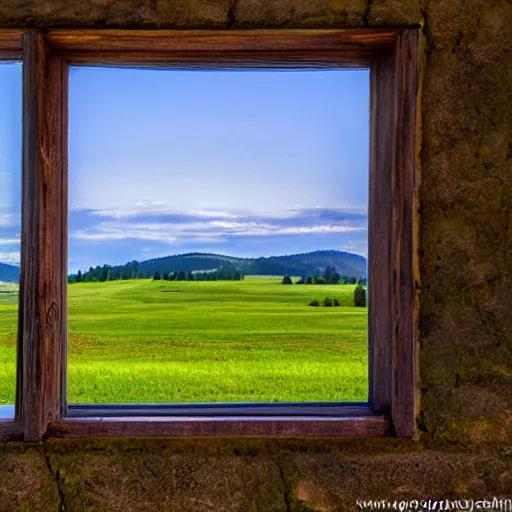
(176,228)
(157,208)
(10,257)
(10,241)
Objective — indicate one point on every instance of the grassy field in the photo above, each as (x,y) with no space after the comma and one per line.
(226,341)
(8,328)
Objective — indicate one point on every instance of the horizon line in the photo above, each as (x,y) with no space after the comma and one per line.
(234,257)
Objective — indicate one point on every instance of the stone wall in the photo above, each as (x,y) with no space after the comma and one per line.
(465,424)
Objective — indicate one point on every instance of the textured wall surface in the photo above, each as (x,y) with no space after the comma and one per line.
(465,424)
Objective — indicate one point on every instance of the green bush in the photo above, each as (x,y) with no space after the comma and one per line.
(314,303)
(359,297)
(336,302)
(327,302)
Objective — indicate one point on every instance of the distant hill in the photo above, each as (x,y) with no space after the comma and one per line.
(311,263)
(9,273)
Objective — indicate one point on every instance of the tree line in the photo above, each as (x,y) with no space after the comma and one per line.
(330,276)
(221,274)
(100,274)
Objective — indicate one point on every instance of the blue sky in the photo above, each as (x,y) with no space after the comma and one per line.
(245,162)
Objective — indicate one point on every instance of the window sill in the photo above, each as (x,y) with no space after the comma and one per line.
(227,426)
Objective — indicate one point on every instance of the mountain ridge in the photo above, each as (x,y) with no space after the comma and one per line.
(9,273)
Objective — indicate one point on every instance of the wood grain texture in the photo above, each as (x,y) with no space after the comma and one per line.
(41,252)
(382,150)
(373,426)
(10,44)
(221,40)
(223,49)
(403,290)
(64,243)
(218,59)
(392,361)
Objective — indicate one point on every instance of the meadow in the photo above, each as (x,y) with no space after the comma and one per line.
(8,329)
(255,340)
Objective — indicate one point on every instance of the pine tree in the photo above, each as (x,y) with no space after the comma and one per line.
(359,297)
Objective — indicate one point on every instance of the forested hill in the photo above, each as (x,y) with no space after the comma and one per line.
(311,263)
(9,273)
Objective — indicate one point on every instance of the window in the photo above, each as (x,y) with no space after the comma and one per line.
(391,56)
(10,228)
(193,196)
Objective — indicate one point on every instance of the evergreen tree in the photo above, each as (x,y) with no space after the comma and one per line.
(105,273)
(359,296)
(156,277)
(286,280)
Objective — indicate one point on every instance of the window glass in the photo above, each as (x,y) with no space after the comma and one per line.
(10,227)
(217,230)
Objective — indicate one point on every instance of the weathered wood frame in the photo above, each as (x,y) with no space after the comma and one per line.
(392,56)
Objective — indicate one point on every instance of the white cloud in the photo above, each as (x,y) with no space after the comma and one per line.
(299,230)
(10,257)
(213,213)
(160,208)
(157,208)
(202,231)
(109,235)
(10,241)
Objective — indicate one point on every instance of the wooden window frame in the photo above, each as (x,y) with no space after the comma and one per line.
(392,57)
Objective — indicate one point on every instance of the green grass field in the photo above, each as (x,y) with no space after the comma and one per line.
(254,340)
